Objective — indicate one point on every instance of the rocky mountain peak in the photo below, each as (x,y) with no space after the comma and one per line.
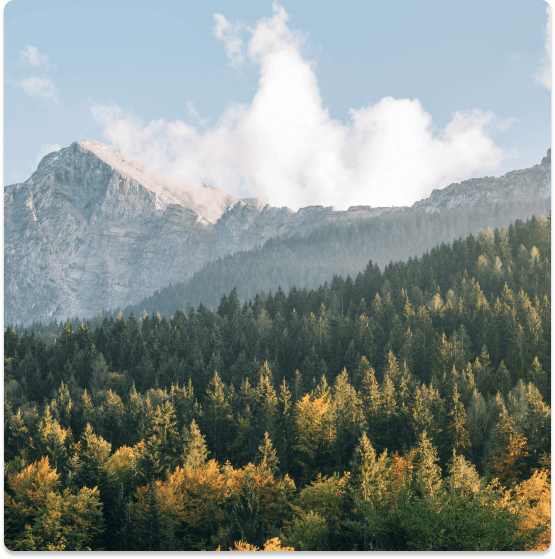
(92,228)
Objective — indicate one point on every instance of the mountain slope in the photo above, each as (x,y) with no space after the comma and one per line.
(92,229)
(345,247)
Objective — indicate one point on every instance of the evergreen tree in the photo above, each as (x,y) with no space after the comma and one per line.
(217,417)
(427,474)
(347,420)
(110,416)
(61,407)
(246,516)
(284,424)
(363,467)
(16,434)
(100,377)
(500,435)
(148,524)
(266,403)
(194,447)
(463,479)
(371,396)
(267,456)
(456,429)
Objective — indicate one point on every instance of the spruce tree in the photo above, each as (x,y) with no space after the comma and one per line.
(457,434)
(195,452)
(427,474)
(363,466)
(266,457)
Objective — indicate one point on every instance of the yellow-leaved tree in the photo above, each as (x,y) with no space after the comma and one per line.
(273,544)
(310,431)
(534,495)
(40,517)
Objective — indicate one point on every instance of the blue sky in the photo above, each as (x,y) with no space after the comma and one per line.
(301,102)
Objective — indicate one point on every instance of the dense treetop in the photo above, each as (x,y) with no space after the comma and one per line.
(303,416)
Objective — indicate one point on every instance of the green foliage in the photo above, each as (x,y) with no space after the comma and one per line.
(267,457)
(378,373)
(478,524)
(307,532)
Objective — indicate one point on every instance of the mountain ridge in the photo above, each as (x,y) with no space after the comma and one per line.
(92,228)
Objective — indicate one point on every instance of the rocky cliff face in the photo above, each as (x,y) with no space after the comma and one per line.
(94,229)
(514,186)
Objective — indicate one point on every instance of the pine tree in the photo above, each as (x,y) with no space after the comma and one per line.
(163,427)
(371,396)
(483,374)
(247,521)
(151,465)
(284,424)
(217,417)
(476,423)
(148,524)
(347,419)
(463,479)
(52,441)
(538,377)
(90,460)
(538,423)
(100,377)
(427,474)
(16,434)
(310,449)
(363,467)
(267,456)
(195,452)
(456,430)
(389,414)
(39,516)
(266,403)
(500,435)
(110,416)
(62,408)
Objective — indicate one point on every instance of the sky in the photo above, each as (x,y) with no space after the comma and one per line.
(300,103)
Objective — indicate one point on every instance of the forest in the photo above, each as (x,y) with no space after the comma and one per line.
(405,409)
(339,248)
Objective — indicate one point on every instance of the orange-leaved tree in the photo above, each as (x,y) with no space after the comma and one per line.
(534,495)
(508,466)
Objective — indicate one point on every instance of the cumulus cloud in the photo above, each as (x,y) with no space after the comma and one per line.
(31,55)
(543,74)
(45,149)
(284,147)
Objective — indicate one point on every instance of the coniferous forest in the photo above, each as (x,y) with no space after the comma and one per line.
(403,409)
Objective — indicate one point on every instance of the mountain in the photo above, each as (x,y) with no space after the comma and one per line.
(93,229)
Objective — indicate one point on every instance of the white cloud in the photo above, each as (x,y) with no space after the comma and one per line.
(32,56)
(231,35)
(35,86)
(45,149)
(543,74)
(285,147)
(191,109)
(38,87)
